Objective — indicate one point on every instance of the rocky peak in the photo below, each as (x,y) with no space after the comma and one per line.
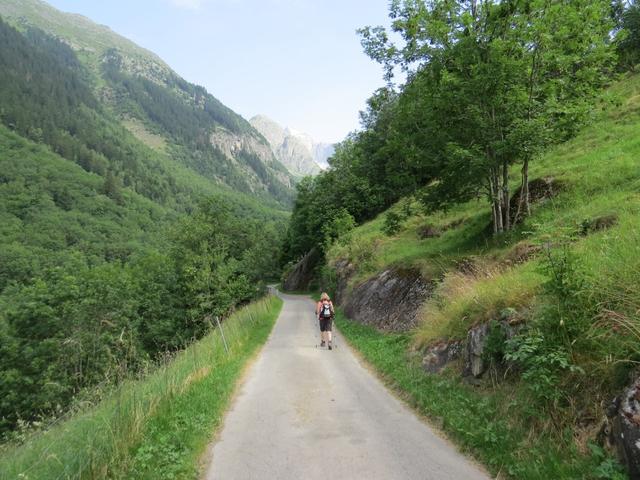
(296,150)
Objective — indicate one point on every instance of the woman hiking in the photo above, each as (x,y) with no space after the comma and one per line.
(325,312)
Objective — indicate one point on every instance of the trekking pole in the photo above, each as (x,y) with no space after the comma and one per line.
(334,335)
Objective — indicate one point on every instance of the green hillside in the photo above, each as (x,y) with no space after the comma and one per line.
(144,95)
(569,274)
(598,182)
(112,253)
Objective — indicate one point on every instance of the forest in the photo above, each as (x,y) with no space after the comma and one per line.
(111,257)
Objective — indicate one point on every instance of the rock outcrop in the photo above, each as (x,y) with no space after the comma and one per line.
(389,301)
(235,146)
(440,355)
(301,275)
(473,350)
(623,428)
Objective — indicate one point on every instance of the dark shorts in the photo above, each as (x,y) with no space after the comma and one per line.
(325,324)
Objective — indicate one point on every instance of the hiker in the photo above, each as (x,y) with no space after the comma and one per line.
(325,312)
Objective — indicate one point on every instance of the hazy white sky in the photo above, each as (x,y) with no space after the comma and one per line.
(298,61)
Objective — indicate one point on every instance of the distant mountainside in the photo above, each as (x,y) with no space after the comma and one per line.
(177,120)
(299,152)
(132,205)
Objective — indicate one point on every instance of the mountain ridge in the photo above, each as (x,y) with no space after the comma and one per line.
(153,101)
(298,151)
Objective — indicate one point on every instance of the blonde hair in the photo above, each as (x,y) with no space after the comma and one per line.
(324,296)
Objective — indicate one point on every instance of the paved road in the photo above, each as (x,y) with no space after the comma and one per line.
(305,413)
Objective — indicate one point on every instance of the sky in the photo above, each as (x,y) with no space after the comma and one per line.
(299,62)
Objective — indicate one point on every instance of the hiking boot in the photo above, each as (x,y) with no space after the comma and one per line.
(322,343)
(330,348)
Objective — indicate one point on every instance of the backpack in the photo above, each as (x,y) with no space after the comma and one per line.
(325,310)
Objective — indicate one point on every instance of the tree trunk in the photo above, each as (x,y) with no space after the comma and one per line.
(498,201)
(523,201)
(494,210)
(506,200)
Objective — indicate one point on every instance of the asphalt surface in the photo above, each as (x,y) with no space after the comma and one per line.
(304,412)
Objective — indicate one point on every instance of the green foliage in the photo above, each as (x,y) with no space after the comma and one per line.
(170,414)
(392,223)
(628,35)
(543,364)
(495,344)
(337,227)
(491,85)
(87,298)
(488,424)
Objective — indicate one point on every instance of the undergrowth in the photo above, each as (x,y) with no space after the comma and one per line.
(491,425)
(156,427)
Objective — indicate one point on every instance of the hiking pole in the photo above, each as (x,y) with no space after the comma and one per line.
(334,334)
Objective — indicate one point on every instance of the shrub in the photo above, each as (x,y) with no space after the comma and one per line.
(391,224)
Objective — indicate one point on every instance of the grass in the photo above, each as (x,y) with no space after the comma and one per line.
(601,176)
(479,277)
(157,427)
(462,300)
(492,426)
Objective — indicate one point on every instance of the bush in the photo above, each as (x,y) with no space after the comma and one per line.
(392,223)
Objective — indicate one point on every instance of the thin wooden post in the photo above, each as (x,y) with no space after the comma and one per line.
(224,340)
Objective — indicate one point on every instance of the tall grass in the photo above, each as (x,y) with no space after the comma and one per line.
(99,442)
(492,425)
(463,300)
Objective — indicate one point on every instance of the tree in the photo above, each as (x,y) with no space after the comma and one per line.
(628,35)
(496,82)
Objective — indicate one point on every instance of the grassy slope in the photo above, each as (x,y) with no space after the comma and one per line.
(600,171)
(486,426)
(157,427)
(600,174)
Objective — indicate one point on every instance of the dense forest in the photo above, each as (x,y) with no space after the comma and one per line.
(489,87)
(110,255)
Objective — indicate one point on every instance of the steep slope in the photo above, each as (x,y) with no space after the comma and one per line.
(543,321)
(297,151)
(179,119)
(110,250)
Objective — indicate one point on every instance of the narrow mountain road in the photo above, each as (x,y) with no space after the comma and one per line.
(309,413)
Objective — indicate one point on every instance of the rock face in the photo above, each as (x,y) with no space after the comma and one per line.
(389,301)
(302,273)
(624,431)
(474,362)
(295,150)
(440,355)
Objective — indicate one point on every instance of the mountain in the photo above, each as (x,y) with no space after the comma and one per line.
(322,152)
(133,205)
(177,120)
(298,151)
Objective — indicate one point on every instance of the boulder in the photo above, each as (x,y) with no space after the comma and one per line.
(474,363)
(474,356)
(599,223)
(343,270)
(440,355)
(428,231)
(389,301)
